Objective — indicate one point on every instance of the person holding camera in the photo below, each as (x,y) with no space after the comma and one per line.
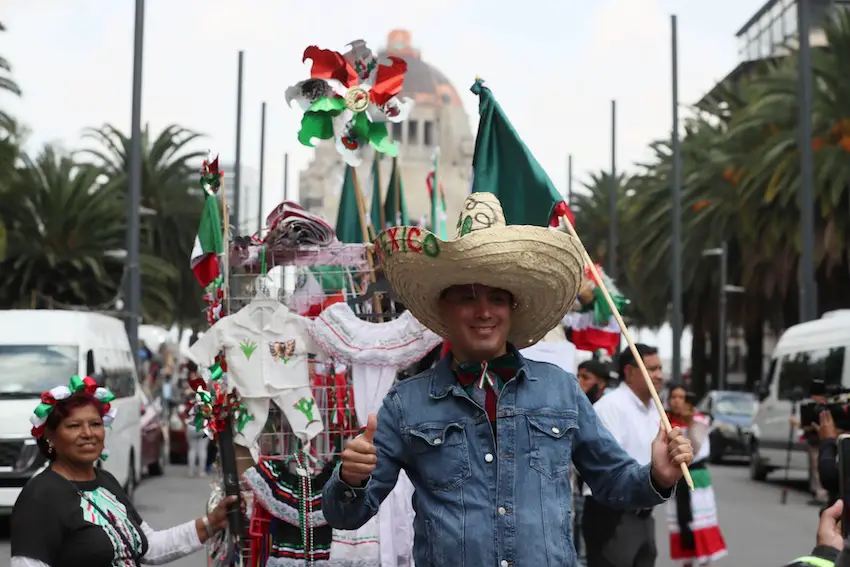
(827,462)
(831,550)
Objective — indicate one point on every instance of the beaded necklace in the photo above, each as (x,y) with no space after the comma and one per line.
(305,509)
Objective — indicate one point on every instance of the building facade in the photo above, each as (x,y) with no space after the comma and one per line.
(437,121)
(768,32)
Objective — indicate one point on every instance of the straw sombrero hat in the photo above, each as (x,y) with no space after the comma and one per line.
(541,267)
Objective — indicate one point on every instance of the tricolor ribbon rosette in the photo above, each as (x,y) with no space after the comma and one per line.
(59,393)
(214,296)
(212,404)
(211,175)
(349,98)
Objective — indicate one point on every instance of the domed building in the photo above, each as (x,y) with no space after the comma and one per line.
(437,120)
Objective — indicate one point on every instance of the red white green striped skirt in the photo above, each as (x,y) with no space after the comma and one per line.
(708,540)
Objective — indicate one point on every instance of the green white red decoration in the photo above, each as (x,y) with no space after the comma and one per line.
(212,404)
(39,416)
(209,242)
(75,385)
(593,326)
(214,296)
(349,98)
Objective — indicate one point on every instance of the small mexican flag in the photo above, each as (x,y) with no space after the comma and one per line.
(208,243)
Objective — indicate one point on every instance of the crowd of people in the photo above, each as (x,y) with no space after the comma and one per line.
(499,448)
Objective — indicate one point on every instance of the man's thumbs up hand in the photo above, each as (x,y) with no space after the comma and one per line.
(359,457)
(371,427)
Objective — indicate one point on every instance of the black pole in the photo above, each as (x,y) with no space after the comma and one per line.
(612,198)
(721,323)
(237,165)
(808,283)
(134,203)
(570,180)
(262,165)
(285,177)
(676,264)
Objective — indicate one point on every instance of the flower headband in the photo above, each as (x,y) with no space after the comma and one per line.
(75,386)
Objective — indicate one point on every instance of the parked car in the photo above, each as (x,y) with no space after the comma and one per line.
(177,442)
(154,445)
(732,415)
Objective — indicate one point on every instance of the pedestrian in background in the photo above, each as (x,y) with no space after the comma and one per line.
(695,536)
(593,381)
(196,440)
(828,455)
(618,538)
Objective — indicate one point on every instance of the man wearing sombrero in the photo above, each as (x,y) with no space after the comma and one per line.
(486,436)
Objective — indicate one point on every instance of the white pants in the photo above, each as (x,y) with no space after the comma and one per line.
(197,452)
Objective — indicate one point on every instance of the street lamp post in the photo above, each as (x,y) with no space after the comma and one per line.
(724,289)
(134,209)
(612,199)
(808,286)
(676,197)
(237,164)
(262,165)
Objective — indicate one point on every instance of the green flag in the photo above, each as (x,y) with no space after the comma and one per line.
(376,211)
(435,197)
(504,166)
(395,207)
(438,204)
(348,226)
(209,243)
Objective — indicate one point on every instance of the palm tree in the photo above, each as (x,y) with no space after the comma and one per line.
(65,235)
(169,187)
(772,182)
(740,181)
(8,85)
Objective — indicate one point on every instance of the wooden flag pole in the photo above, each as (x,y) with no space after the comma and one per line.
(361,210)
(225,269)
(638,359)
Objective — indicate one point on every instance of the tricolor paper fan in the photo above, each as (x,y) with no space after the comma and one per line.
(349,98)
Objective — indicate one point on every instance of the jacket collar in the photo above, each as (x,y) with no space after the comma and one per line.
(444,381)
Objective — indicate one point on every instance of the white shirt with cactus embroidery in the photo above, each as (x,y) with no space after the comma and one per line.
(266,346)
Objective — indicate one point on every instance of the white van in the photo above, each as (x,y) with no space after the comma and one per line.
(815,350)
(40,349)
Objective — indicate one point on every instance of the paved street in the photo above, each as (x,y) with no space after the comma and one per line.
(759,530)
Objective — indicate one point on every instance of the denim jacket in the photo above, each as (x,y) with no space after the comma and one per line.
(479,503)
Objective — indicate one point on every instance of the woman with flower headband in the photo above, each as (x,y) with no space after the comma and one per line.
(75,514)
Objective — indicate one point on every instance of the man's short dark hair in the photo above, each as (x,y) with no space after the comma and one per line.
(626,357)
(191,366)
(598,369)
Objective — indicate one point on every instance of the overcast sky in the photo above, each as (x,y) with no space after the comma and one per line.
(554,65)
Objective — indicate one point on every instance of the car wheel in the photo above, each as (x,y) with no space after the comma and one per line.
(758,471)
(718,448)
(158,468)
(715,457)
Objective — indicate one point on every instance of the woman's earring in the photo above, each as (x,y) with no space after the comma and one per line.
(50,448)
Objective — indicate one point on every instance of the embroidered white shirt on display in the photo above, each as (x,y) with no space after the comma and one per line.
(266,347)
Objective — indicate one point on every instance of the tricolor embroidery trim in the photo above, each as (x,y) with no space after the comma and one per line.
(75,385)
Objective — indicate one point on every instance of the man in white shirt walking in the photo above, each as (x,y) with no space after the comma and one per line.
(614,538)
